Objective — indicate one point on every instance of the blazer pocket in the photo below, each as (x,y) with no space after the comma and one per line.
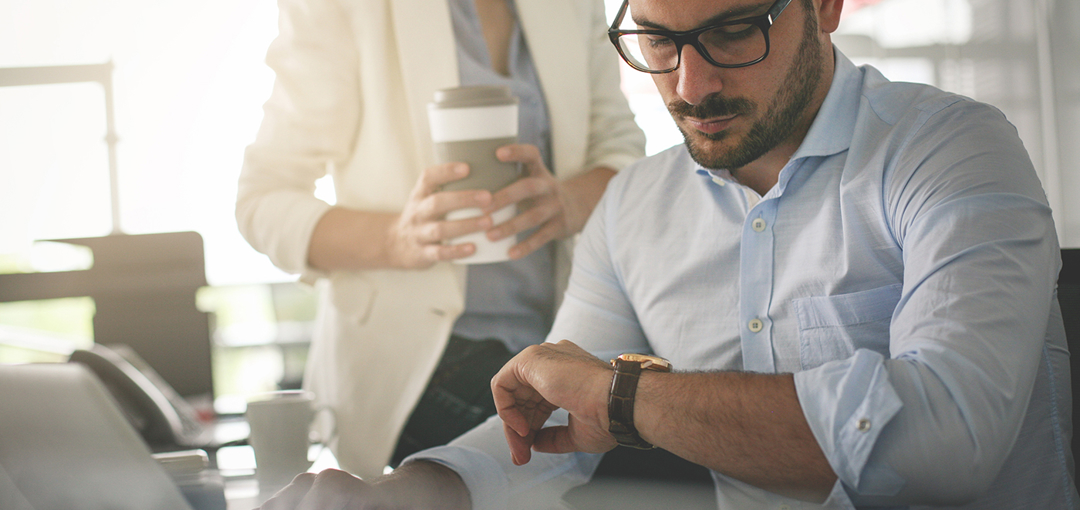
(834,327)
(353,297)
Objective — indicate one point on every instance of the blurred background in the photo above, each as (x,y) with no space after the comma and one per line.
(132,116)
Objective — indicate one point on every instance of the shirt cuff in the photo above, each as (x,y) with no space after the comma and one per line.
(838,498)
(847,404)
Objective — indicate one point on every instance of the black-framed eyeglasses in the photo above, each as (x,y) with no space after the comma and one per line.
(735,43)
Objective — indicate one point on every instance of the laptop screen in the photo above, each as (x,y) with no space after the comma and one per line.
(65,444)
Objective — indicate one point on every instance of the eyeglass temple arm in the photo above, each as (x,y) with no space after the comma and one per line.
(622,12)
(775,11)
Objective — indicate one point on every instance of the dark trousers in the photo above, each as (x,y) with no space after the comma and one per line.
(457,398)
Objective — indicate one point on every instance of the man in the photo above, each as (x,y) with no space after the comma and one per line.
(854,280)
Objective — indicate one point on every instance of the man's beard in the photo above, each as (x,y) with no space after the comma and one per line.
(776,125)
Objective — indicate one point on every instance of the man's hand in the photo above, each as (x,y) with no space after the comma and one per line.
(330,489)
(415,485)
(557,209)
(546,377)
(416,238)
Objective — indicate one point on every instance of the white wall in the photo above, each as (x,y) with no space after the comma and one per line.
(1063,20)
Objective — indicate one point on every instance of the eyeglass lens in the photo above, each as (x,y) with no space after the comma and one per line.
(729,45)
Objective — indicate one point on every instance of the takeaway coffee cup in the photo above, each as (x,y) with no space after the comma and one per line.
(467,125)
(280,424)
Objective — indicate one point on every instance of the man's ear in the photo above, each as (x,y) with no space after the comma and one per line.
(829,15)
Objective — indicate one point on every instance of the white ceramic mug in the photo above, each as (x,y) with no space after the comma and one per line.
(281,423)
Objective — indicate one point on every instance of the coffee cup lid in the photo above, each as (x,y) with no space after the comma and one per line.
(474,95)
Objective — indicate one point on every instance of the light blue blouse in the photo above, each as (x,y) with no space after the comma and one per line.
(511,301)
(903,268)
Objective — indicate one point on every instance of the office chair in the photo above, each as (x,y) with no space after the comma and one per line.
(1069,299)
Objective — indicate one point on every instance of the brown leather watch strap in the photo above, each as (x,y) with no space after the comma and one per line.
(624,383)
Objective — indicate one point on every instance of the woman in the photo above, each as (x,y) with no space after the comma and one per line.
(353,81)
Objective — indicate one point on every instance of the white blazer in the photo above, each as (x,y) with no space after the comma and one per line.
(353,81)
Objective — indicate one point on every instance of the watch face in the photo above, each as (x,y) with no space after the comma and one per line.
(648,362)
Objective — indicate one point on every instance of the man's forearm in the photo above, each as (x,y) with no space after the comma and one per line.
(747,426)
(423,484)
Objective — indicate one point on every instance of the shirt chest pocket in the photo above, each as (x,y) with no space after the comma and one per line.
(834,327)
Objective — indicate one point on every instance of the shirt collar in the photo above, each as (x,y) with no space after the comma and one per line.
(834,126)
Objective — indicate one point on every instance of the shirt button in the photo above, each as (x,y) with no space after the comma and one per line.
(718,180)
(758,225)
(864,425)
(755,325)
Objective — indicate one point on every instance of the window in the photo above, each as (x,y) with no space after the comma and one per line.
(189,85)
(188,82)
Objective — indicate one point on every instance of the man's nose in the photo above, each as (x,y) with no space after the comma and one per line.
(698,78)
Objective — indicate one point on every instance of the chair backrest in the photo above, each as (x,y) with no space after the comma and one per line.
(1069,299)
(143,287)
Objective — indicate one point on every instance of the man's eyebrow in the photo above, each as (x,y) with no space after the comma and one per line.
(730,14)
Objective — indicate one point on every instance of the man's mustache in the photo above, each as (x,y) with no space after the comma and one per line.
(713,106)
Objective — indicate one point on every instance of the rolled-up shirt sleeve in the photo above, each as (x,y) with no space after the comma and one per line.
(933,422)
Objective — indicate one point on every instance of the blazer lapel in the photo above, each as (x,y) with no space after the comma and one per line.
(425,38)
(560,56)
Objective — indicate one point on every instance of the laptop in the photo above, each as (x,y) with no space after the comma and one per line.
(64,444)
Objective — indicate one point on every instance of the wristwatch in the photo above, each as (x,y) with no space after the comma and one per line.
(624,384)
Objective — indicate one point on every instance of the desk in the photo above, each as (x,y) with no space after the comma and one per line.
(242,491)
(237,465)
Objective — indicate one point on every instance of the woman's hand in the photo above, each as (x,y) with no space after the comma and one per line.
(556,209)
(416,239)
(413,239)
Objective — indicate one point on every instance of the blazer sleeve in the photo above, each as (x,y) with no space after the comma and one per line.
(309,121)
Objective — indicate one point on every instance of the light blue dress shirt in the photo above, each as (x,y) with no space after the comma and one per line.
(903,268)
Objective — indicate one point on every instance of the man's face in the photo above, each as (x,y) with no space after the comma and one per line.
(732,117)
